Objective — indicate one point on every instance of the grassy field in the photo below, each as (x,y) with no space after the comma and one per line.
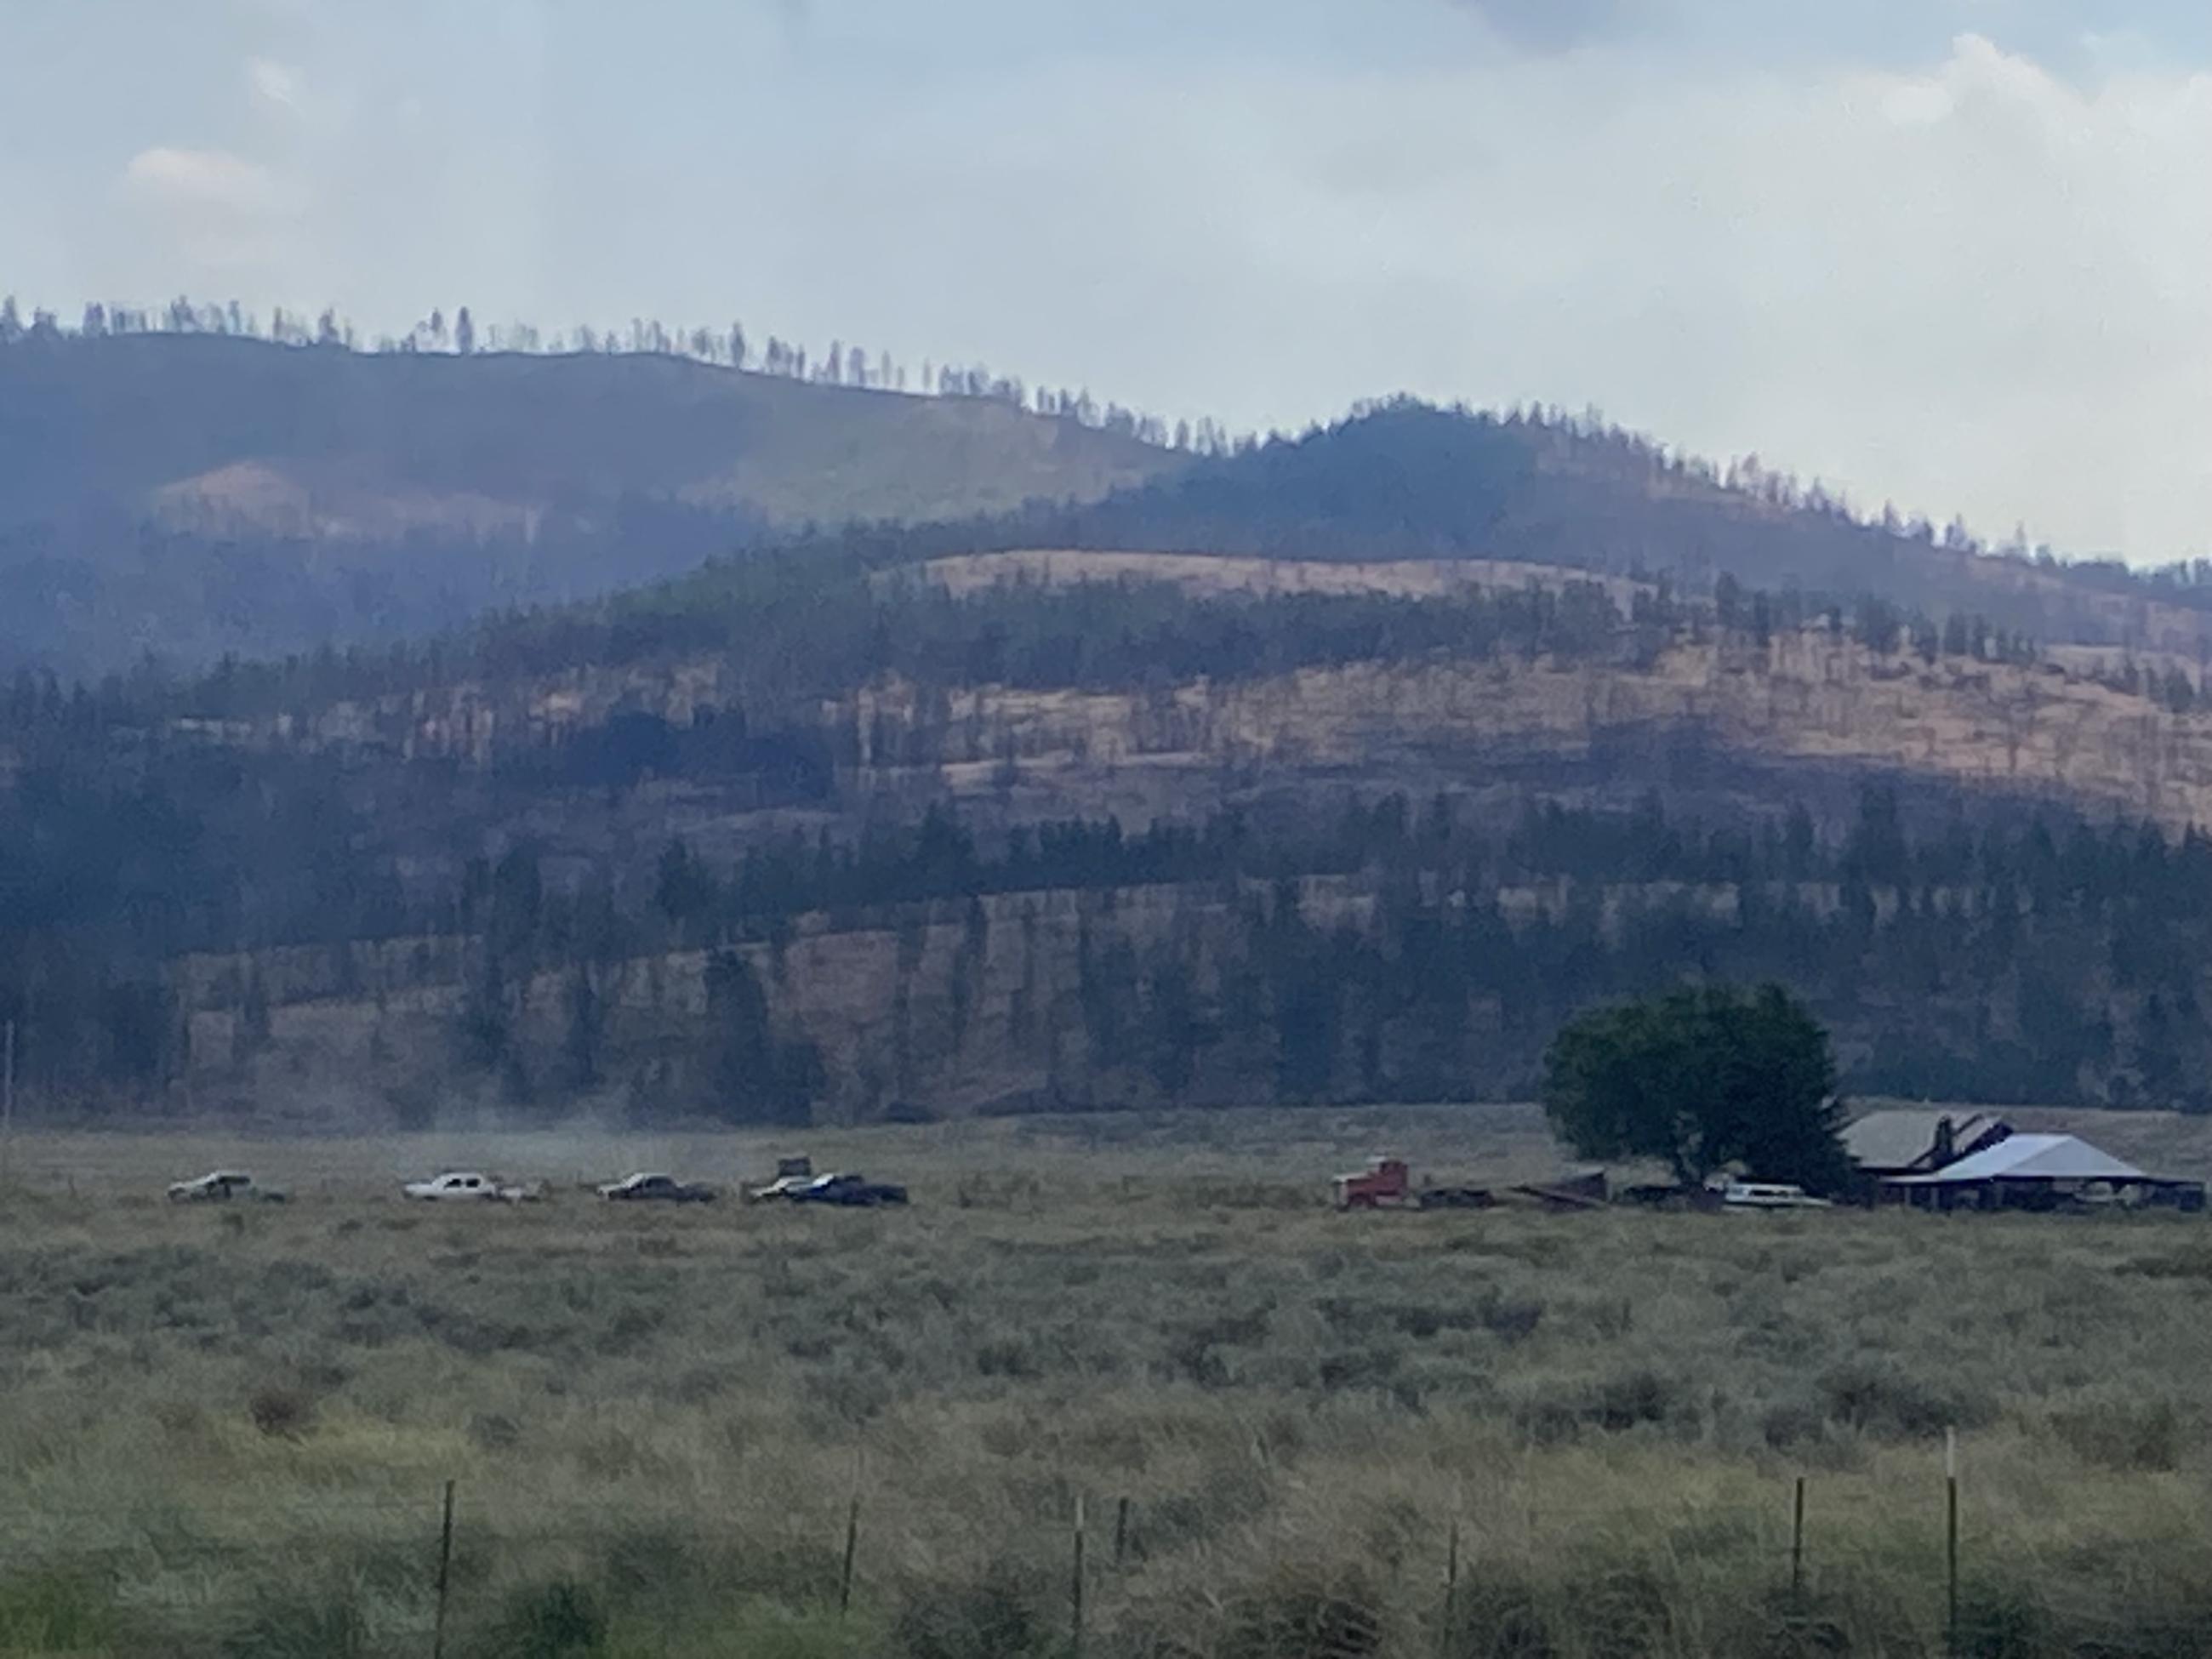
(226,1429)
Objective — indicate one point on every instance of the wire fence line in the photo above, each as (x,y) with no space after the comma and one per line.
(446,1561)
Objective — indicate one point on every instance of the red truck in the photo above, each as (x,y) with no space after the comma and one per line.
(1388,1184)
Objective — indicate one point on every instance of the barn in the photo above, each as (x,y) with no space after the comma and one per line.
(2040,1172)
(1906,1142)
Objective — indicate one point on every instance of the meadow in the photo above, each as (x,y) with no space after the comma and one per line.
(227,1430)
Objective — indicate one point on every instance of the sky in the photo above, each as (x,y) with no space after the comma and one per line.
(1956,254)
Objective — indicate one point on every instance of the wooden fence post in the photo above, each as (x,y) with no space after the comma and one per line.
(1075,1588)
(1451,1585)
(445,1575)
(1951,1538)
(1797,1542)
(852,1548)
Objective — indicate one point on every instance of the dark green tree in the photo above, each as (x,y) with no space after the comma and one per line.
(754,1078)
(1701,1078)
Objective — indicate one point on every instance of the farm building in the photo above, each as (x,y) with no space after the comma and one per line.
(2039,1172)
(1888,1143)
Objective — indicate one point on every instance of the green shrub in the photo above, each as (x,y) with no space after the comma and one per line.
(281,1413)
(1360,1368)
(326,1623)
(654,1564)
(1628,1398)
(1802,1627)
(562,1618)
(1494,1617)
(996,1617)
(2003,1622)
(755,1631)
(1625,1612)
(1880,1398)
(1510,1318)
(55,1612)
(1300,1614)
(2124,1434)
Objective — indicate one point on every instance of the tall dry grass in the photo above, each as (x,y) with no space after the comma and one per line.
(227,1430)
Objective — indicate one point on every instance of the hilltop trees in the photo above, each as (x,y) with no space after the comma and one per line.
(1701,1080)
(463,335)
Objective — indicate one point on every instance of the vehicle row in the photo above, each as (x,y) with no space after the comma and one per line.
(795,1182)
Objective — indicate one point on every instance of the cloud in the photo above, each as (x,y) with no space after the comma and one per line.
(276,85)
(1548,24)
(1972,287)
(1975,285)
(203,180)
(220,209)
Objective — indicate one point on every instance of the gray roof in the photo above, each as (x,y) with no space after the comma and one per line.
(1899,1140)
(2031,1157)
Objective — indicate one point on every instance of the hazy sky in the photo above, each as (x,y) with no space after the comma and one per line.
(1957,253)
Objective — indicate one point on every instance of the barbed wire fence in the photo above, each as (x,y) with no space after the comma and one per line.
(431,1574)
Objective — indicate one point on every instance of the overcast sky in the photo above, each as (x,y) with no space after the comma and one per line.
(1954,253)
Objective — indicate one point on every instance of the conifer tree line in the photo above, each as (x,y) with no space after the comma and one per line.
(802,626)
(1404,951)
(1393,949)
(728,346)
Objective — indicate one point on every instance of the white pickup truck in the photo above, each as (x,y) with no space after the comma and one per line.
(218,1185)
(1769,1195)
(462,1186)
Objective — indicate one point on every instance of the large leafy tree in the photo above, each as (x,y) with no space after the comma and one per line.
(1702,1079)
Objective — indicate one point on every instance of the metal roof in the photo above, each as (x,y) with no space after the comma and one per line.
(1898,1139)
(2029,1158)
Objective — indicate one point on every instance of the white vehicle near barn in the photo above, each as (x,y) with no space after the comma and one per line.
(467,1186)
(219,1185)
(1769,1195)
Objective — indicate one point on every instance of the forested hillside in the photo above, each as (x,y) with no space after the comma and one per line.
(857,826)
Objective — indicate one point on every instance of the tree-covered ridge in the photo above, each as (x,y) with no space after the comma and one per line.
(459,483)
(1402,951)
(191,493)
(1394,949)
(725,346)
(472,828)
(1407,480)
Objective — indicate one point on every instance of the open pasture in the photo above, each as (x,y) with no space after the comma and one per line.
(227,1428)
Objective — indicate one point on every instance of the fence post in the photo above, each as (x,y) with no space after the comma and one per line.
(1451,1585)
(1075,1588)
(852,1546)
(1951,1538)
(1121,1529)
(445,1575)
(1797,1542)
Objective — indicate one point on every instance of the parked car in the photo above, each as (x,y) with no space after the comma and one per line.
(218,1186)
(1769,1195)
(851,1190)
(656,1189)
(792,1176)
(460,1186)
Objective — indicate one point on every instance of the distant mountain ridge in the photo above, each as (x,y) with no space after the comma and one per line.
(192,494)
(1405,480)
(1341,768)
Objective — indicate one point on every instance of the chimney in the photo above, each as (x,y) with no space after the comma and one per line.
(1947,1141)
